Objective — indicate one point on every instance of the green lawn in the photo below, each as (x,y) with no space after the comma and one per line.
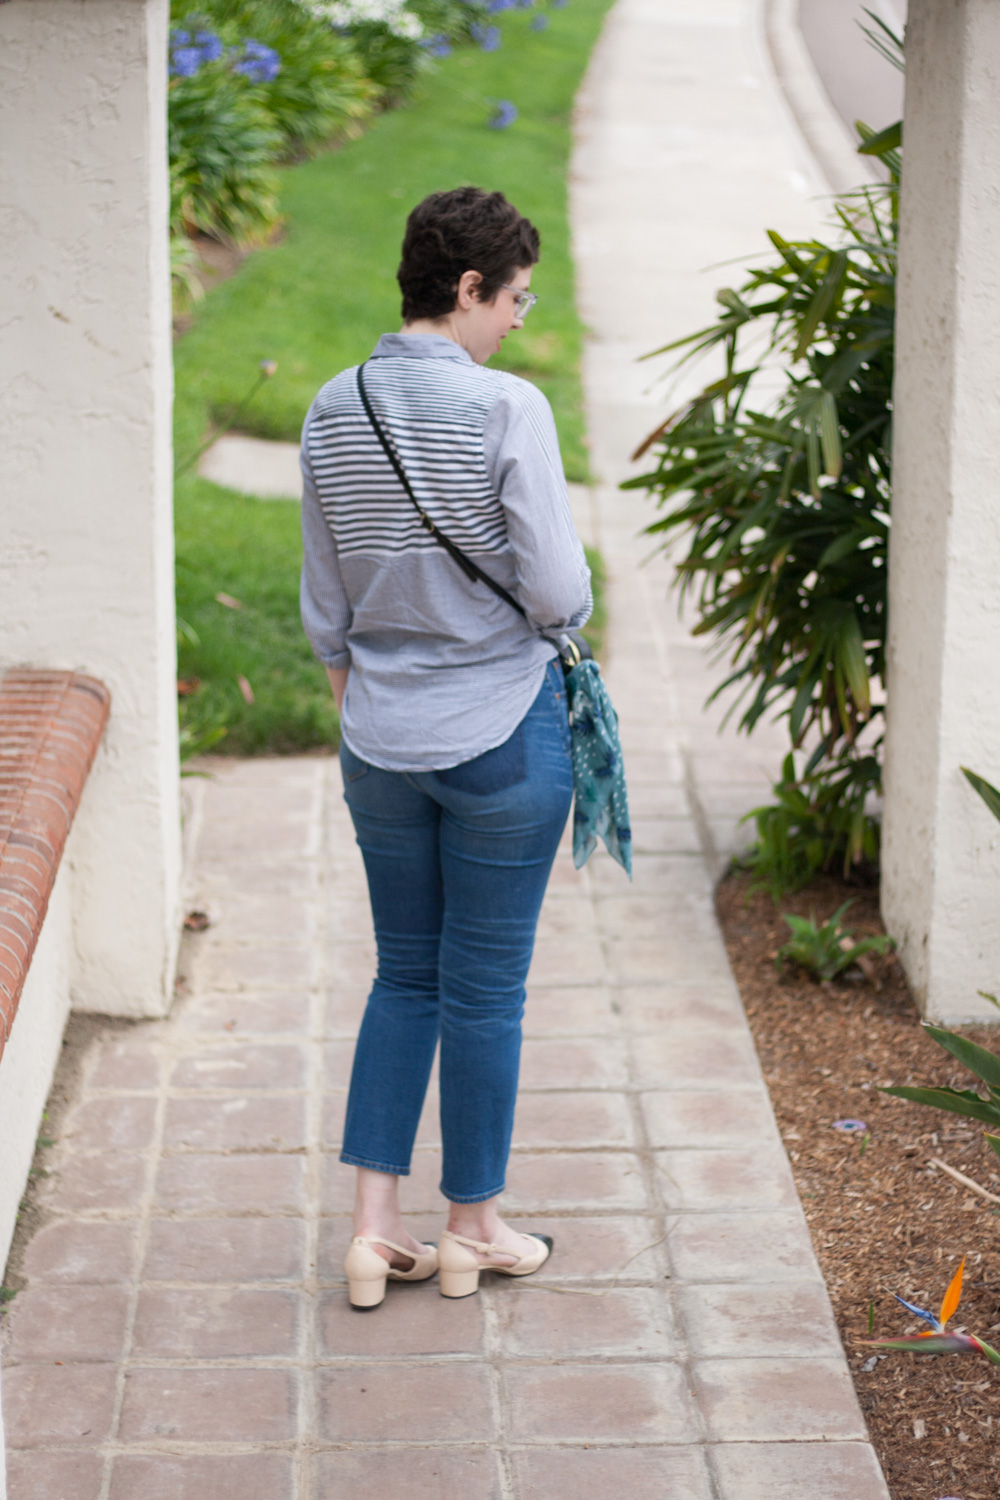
(316,302)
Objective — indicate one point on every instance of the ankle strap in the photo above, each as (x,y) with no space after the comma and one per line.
(376,1239)
(473,1244)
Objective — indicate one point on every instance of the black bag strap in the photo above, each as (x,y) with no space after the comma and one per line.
(469,568)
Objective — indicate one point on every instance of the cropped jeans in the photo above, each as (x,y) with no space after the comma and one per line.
(457,864)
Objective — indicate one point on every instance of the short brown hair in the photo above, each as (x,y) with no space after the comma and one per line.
(465,229)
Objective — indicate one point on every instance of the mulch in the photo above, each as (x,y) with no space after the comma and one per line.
(882,1218)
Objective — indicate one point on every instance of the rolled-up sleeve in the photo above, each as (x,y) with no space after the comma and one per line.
(326,610)
(522,456)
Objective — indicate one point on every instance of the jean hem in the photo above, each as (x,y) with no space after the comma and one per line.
(373,1166)
(472,1197)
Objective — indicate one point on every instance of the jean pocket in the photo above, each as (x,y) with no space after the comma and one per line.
(494,771)
(351,765)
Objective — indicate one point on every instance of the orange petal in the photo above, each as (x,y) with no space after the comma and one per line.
(953,1295)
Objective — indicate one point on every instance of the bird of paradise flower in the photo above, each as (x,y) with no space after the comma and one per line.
(936,1339)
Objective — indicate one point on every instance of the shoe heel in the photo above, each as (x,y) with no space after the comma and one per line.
(458,1283)
(366,1294)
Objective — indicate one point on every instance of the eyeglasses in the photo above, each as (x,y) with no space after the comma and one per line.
(523,301)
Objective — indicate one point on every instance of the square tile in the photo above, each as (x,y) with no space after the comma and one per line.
(234,1476)
(243,1124)
(405,1403)
(205,1406)
(123,1121)
(598,1063)
(574,1120)
(239,1014)
(791,1319)
(67,1323)
(225,1250)
(600,1403)
(538,1322)
(129,1060)
(584,1180)
(242,1065)
(778,1400)
(44,1405)
(581,1010)
(54,1476)
(723,1179)
(790,1471)
(742,1247)
(416,1473)
(234,1184)
(81,1182)
(674,1007)
(238,969)
(712,1117)
(631,1473)
(73,1250)
(178,1323)
(688,1060)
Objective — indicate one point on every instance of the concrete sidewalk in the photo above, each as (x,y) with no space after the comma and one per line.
(185,1332)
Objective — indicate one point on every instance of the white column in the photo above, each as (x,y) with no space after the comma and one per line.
(941,874)
(86,547)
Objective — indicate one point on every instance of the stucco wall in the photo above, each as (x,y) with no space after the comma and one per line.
(941,878)
(30,1056)
(86,559)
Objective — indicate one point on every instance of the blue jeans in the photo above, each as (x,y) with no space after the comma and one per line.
(457,864)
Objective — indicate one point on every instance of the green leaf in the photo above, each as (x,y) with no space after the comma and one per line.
(841,547)
(955,1101)
(821,304)
(989,793)
(889,139)
(851,654)
(994,1142)
(829,431)
(985,1065)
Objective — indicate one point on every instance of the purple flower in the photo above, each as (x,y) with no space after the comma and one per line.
(850,1127)
(210,45)
(437,46)
(258,63)
(488,37)
(496,6)
(180,39)
(504,115)
(185,61)
(539,23)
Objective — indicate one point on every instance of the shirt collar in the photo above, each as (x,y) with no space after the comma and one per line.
(419,346)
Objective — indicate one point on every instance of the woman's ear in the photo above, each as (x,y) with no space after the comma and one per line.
(468,289)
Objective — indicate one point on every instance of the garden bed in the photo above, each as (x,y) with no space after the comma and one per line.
(882,1218)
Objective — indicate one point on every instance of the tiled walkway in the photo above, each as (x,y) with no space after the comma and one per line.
(185,1334)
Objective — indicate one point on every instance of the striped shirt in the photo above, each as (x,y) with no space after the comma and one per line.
(441,670)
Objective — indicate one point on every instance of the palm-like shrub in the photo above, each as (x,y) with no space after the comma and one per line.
(784,507)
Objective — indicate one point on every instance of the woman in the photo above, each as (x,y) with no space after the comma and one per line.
(455,736)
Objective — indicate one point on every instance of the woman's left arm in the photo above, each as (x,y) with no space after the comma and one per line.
(521,449)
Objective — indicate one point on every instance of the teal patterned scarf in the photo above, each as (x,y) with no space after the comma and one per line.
(601,805)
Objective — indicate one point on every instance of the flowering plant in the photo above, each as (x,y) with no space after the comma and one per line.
(345,15)
(936,1339)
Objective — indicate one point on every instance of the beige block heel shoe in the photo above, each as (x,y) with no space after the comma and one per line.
(368,1272)
(459,1269)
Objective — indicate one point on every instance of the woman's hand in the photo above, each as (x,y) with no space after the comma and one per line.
(338,682)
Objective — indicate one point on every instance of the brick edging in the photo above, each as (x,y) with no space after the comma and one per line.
(51,724)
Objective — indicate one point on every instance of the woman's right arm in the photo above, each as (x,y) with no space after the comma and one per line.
(326,610)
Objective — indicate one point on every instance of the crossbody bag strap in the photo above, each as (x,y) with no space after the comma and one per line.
(469,568)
